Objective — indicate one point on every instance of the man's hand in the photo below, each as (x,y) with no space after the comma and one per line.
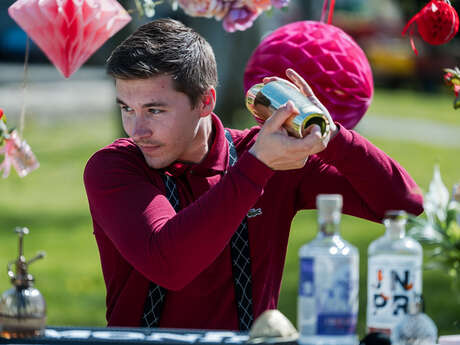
(306,90)
(276,148)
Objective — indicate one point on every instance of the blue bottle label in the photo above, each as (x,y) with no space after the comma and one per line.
(328,295)
(306,286)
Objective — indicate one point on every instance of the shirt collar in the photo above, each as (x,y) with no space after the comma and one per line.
(215,161)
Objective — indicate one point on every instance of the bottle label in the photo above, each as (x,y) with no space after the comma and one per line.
(328,295)
(393,281)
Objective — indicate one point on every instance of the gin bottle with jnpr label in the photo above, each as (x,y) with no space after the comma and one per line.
(328,286)
(394,275)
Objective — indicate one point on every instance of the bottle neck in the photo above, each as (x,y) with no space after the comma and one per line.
(328,228)
(329,207)
(395,229)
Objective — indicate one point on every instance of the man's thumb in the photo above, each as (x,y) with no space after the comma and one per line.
(280,116)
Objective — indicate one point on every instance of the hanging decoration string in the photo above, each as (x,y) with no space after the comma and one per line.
(331,12)
(17,152)
(410,26)
(324,10)
(24,89)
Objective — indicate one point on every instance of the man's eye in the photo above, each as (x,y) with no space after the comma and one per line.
(155,111)
(126,109)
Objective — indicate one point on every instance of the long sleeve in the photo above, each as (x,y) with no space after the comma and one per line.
(370,181)
(167,248)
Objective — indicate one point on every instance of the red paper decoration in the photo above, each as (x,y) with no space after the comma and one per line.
(69,31)
(330,61)
(437,23)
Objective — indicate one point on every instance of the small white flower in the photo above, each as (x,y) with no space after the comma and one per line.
(174,5)
(149,8)
(428,233)
(437,198)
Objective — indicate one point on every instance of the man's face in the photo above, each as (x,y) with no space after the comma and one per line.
(159,119)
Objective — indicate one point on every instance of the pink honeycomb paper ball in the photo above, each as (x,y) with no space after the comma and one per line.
(330,61)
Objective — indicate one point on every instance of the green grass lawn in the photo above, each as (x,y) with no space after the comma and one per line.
(416,105)
(52,203)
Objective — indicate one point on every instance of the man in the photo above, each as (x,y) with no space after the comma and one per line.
(171,263)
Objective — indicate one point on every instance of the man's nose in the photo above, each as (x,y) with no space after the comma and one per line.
(141,129)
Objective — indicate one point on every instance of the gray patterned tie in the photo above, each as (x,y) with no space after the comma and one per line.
(156,296)
(241,261)
(241,264)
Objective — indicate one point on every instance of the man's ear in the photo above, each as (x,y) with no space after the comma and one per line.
(207,102)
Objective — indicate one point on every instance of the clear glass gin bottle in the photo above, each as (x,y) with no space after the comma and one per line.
(328,285)
(394,275)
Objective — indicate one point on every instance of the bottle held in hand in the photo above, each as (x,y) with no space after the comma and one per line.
(263,100)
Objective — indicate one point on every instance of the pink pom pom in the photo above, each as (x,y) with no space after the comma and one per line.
(69,31)
(330,61)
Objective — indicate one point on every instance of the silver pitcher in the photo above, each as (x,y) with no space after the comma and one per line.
(22,308)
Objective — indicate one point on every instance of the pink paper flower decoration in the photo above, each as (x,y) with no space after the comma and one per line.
(330,61)
(239,19)
(235,14)
(69,31)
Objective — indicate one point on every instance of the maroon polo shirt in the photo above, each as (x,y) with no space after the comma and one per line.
(141,238)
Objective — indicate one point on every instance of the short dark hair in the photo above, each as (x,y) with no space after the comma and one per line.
(166,46)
